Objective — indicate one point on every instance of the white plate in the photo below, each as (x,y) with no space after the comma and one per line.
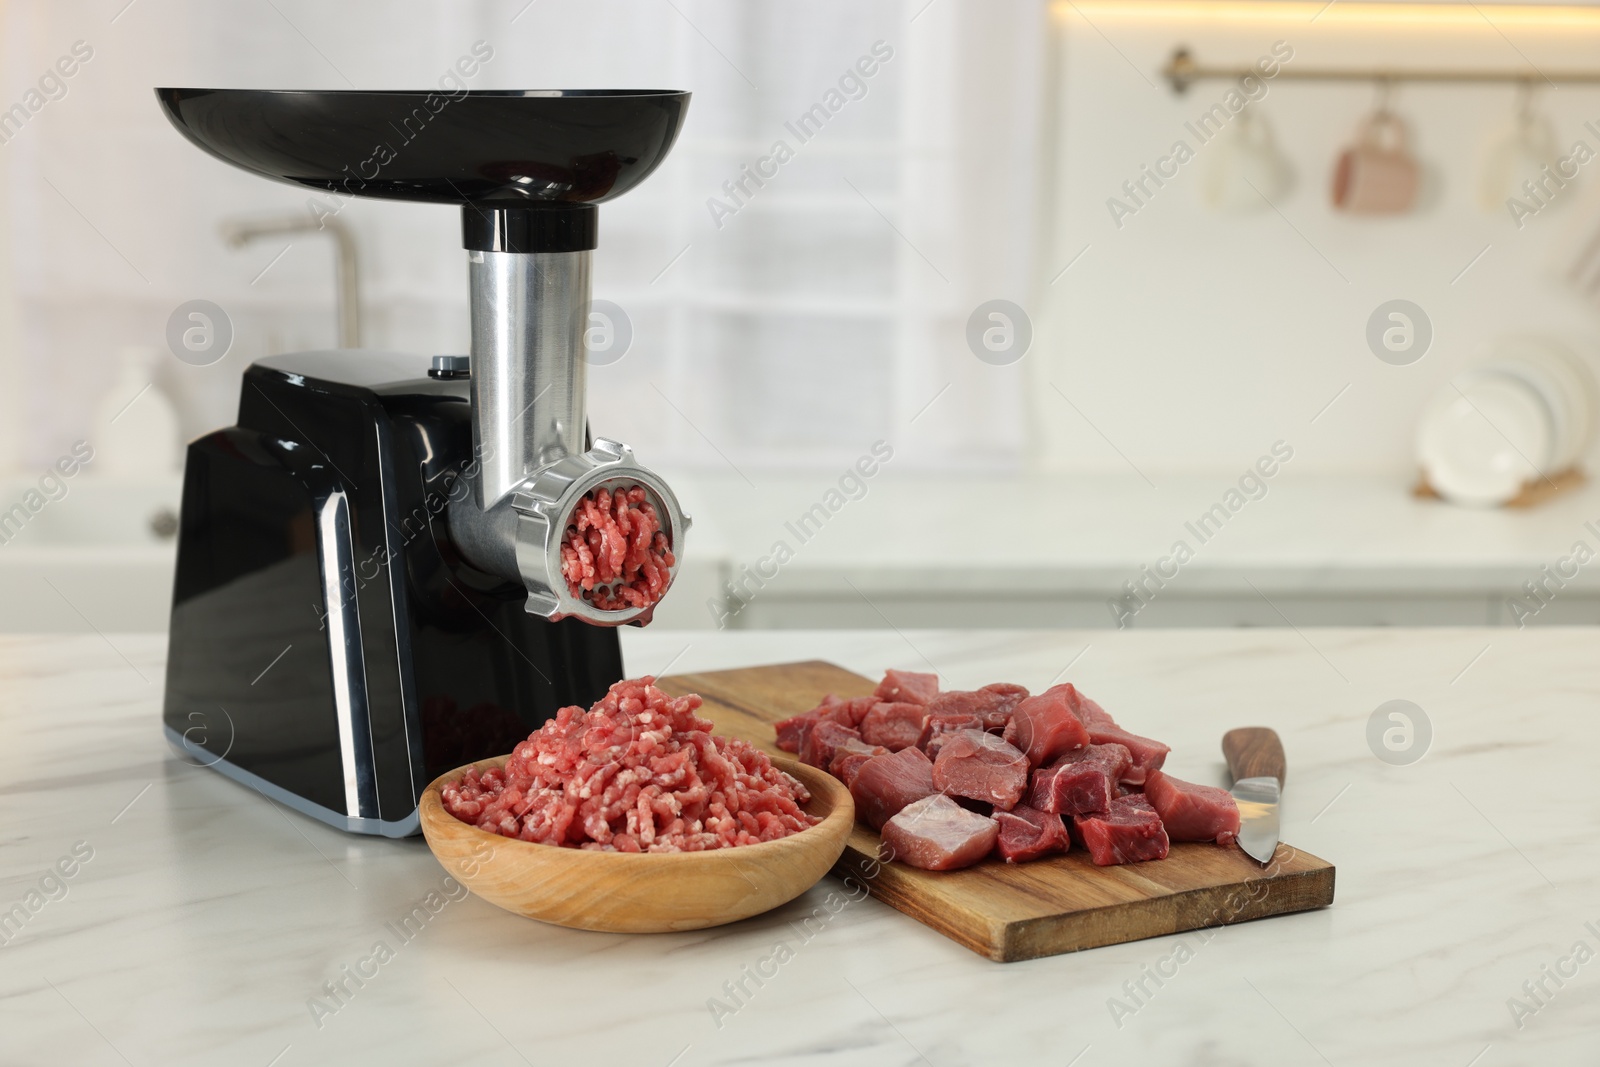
(1566,383)
(1483,436)
(1552,393)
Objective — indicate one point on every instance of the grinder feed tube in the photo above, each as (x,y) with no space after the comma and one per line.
(589,533)
(529,313)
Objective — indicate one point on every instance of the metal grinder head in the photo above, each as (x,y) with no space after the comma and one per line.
(545,508)
(527,168)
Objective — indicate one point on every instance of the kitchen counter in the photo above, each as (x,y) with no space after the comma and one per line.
(920,549)
(201,922)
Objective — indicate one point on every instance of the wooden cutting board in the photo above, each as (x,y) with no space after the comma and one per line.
(1022,911)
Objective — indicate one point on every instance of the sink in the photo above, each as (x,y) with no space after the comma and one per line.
(99,558)
(96,514)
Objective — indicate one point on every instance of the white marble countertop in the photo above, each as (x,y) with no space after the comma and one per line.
(206,919)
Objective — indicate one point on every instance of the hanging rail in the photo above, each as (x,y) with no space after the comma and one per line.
(1183,70)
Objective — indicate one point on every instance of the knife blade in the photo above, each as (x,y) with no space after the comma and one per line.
(1256,761)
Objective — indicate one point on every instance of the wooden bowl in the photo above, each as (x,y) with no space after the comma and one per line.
(640,892)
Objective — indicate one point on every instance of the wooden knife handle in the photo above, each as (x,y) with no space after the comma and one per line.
(1255,752)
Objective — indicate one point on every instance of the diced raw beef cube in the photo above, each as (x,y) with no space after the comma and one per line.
(1147,755)
(855,709)
(1006,698)
(821,744)
(960,702)
(980,766)
(885,784)
(1191,812)
(907,687)
(1080,783)
(938,726)
(993,703)
(792,731)
(893,725)
(844,712)
(1091,714)
(1129,832)
(849,756)
(1044,726)
(1028,833)
(937,834)
(846,765)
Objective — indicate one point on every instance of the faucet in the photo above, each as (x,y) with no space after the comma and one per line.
(236,233)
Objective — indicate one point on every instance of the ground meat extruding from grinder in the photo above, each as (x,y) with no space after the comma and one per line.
(638,772)
(614,553)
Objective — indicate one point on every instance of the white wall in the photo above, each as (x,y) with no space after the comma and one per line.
(798,333)
(115,215)
(1190,340)
(1193,340)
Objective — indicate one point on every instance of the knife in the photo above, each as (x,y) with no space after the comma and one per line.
(1255,759)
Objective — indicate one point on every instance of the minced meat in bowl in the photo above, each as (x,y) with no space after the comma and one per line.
(639,771)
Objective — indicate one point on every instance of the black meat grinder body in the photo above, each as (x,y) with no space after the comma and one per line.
(357,608)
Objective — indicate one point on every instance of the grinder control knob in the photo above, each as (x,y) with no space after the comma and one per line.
(451,367)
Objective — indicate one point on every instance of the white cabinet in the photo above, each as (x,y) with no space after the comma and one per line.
(920,551)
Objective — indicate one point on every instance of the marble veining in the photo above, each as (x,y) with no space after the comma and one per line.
(207,924)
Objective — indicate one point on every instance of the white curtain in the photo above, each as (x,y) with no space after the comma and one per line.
(791,326)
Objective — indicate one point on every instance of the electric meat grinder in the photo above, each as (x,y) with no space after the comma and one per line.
(369,584)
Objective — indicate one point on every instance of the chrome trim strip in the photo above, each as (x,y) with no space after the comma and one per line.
(406,827)
(337,560)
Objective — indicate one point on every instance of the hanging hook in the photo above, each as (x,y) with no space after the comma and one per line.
(1525,93)
(1383,87)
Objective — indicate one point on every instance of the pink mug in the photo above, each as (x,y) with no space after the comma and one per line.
(1377,175)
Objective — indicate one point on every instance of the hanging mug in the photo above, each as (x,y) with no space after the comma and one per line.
(1522,155)
(1377,175)
(1247,172)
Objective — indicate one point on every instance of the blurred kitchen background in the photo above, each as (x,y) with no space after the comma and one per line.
(1195,349)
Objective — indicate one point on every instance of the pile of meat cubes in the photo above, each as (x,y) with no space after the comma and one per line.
(948,778)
